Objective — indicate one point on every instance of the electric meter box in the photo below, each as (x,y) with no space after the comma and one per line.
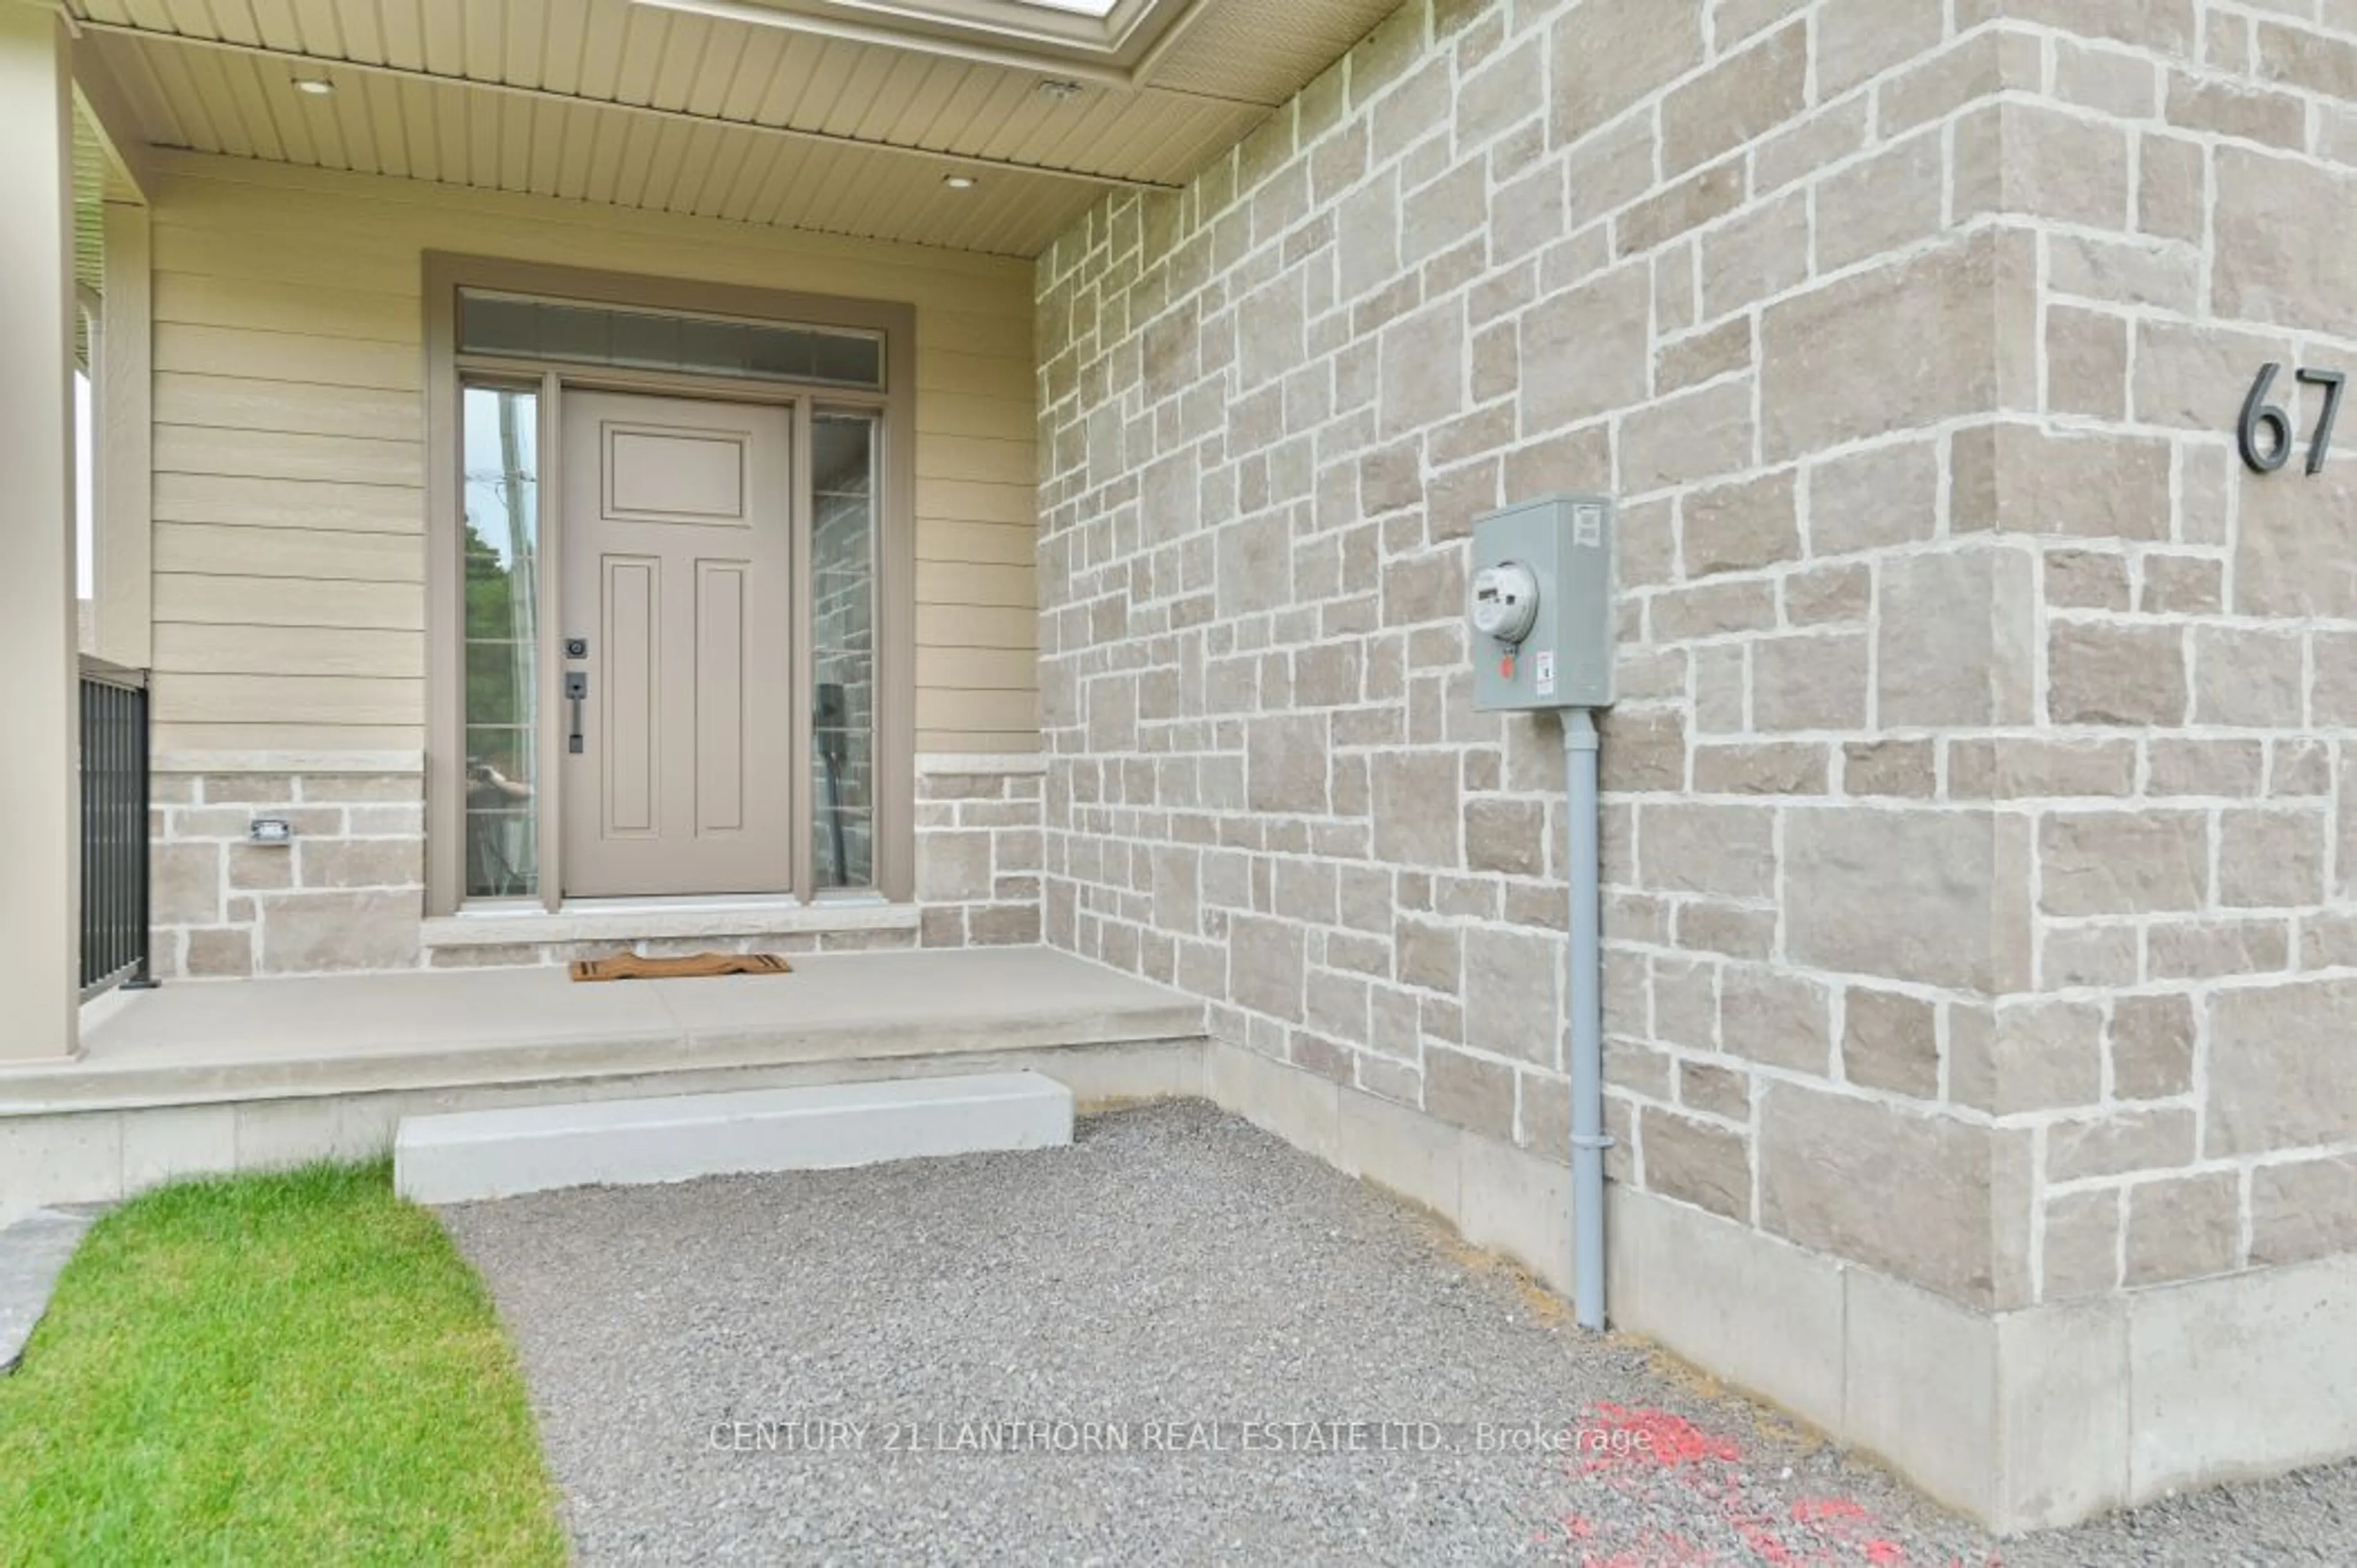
(1539,608)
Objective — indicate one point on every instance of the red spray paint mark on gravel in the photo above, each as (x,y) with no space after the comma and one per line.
(1643,1453)
(1810,1510)
(1656,1437)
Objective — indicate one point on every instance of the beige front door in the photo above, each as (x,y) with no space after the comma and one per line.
(676,538)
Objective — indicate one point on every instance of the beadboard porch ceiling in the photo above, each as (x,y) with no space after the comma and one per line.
(844,116)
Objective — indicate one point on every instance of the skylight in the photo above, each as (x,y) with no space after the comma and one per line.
(1058,37)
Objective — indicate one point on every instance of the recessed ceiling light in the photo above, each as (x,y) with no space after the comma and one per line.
(316,86)
(959,181)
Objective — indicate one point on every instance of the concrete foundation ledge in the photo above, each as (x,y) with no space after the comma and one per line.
(2024,1420)
(501,1153)
(2030,1419)
(1495,1195)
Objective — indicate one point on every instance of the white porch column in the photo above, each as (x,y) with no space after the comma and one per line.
(40,861)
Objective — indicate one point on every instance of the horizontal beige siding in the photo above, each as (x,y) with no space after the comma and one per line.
(290,463)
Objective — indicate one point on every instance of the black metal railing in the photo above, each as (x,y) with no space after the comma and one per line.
(114,827)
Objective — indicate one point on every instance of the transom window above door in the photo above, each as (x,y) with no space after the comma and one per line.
(525,328)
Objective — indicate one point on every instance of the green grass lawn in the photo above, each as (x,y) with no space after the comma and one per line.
(285,1368)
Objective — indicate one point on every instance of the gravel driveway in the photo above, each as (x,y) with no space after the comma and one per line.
(938,1361)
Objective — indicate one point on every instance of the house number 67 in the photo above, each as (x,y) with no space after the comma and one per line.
(2266,454)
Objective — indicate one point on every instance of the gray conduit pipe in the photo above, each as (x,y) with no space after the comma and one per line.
(1585,990)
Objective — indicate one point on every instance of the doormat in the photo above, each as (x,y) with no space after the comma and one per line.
(699,966)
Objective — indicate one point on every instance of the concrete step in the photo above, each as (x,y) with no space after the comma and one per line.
(476,1154)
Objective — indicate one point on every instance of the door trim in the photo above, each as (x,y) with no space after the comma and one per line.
(447,370)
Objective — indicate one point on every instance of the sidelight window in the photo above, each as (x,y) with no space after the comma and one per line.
(500,434)
(843,646)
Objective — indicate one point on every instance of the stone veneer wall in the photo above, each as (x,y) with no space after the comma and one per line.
(349,894)
(978,849)
(346,894)
(1888,321)
(2182,763)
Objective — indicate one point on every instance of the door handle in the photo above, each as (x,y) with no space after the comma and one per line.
(576,691)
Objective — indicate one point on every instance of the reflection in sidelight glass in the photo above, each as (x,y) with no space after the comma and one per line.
(501,498)
(843,625)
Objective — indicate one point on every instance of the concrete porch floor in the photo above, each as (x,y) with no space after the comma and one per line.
(202,1075)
